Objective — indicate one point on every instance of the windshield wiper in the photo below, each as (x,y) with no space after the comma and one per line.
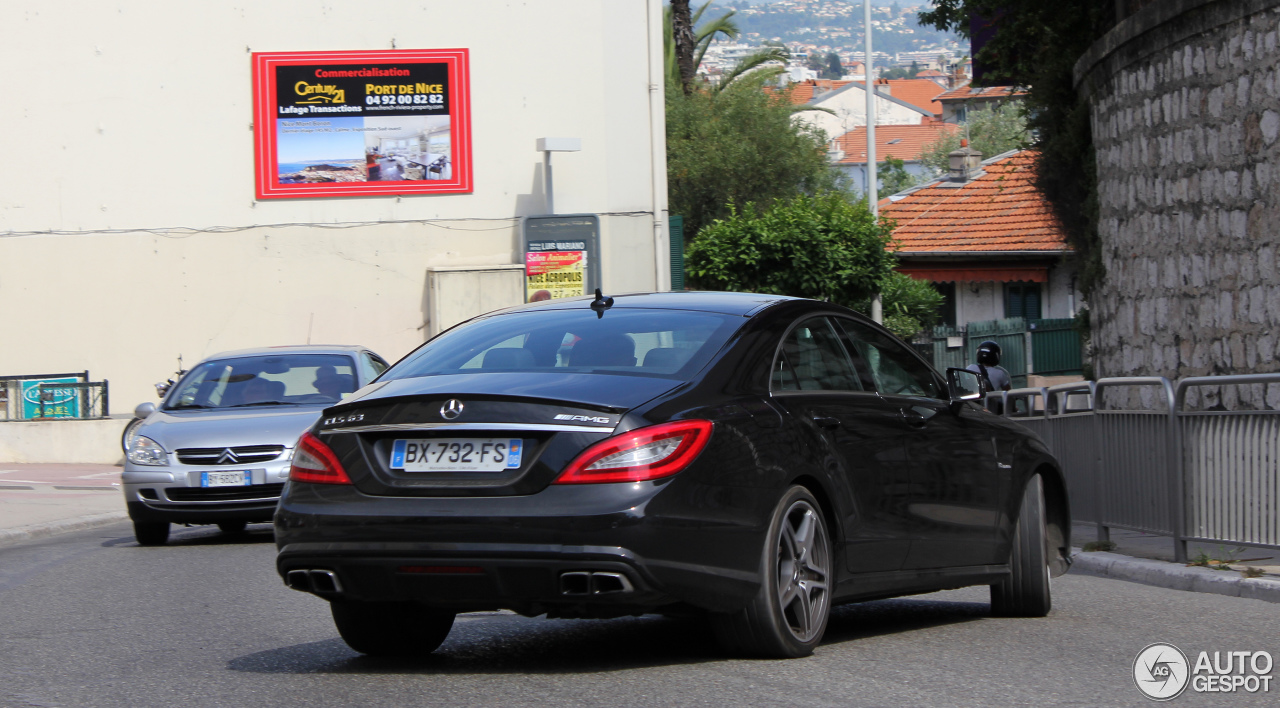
(263,403)
(187,407)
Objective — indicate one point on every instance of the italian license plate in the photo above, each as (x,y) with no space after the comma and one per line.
(226,479)
(457,455)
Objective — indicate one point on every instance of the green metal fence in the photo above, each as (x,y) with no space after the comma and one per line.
(1054,346)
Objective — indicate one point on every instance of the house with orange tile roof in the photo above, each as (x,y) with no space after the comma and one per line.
(957,102)
(942,80)
(921,93)
(847,102)
(987,239)
(902,142)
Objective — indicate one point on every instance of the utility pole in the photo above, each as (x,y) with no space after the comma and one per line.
(877,307)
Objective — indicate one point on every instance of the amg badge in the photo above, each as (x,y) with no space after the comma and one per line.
(583,418)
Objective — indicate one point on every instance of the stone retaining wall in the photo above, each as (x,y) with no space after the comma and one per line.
(1186,121)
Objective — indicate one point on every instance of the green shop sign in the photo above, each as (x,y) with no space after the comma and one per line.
(59,402)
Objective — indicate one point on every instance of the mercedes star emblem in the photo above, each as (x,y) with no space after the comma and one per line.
(451,409)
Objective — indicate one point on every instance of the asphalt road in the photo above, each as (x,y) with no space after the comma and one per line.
(92,619)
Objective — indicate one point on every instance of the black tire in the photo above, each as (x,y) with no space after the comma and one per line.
(232,527)
(788,616)
(391,628)
(1025,593)
(151,533)
(128,434)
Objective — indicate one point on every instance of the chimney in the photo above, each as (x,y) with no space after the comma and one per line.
(966,164)
(883,88)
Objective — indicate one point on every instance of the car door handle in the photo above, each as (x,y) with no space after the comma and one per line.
(913,418)
(824,421)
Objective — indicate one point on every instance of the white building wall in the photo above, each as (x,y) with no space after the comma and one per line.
(849,104)
(982,301)
(979,301)
(129,231)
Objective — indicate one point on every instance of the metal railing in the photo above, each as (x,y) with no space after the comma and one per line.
(1136,458)
(53,397)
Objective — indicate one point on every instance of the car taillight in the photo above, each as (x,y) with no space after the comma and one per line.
(640,455)
(314,462)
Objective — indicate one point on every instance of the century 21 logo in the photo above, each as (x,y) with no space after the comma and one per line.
(319,93)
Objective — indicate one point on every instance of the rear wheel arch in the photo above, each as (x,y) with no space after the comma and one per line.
(819,493)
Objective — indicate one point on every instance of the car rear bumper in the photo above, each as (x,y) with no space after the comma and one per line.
(583,551)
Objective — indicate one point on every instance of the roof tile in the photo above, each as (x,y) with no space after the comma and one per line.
(904,142)
(999,211)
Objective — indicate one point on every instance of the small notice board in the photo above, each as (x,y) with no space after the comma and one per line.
(561,256)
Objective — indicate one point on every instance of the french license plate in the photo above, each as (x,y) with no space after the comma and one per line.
(226,479)
(457,454)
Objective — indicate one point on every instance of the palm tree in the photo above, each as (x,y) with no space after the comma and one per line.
(701,41)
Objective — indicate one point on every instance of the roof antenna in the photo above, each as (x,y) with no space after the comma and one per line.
(601,303)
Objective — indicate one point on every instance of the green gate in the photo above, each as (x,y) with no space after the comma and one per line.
(1055,347)
(1010,334)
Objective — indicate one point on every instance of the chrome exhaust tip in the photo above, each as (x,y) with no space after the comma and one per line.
(609,583)
(298,580)
(325,581)
(577,582)
(586,582)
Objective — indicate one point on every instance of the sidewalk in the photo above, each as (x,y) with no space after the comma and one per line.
(45,499)
(1148,558)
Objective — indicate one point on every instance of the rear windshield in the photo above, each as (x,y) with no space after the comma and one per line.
(664,343)
(285,379)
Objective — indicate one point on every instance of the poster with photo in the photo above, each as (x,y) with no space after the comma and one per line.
(332,124)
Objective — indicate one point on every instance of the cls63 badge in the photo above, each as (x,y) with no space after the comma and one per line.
(340,419)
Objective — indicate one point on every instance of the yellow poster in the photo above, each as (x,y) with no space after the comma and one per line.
(550,275)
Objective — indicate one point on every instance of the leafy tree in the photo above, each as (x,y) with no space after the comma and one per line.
(823,247)
(734,143)
(835,69)
(910,306)
(992,131)
(892,177)
(1036,44)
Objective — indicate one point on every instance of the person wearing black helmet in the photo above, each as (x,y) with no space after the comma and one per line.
(994,377)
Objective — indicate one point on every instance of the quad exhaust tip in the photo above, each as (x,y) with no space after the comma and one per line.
(317,581)
(588,582)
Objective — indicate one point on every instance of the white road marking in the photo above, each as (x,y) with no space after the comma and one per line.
(100,474)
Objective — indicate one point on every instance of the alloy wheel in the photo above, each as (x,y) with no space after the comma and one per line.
(804,561)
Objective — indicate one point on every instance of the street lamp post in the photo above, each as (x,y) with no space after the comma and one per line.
(877,308)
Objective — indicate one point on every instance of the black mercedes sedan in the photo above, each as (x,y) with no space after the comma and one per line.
(755,458)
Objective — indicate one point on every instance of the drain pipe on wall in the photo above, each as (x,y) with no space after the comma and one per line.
(658,149)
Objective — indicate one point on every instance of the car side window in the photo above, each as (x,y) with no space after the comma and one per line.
(813,359)
(371,366)
(895,370)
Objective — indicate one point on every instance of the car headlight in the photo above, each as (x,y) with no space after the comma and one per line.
(145,451)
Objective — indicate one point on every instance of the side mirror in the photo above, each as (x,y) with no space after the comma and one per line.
(143,410)
(963,386)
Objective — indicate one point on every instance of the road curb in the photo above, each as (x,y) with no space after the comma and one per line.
(1174,575)
(19,534)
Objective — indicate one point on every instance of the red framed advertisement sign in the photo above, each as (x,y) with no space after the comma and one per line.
(338,124)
